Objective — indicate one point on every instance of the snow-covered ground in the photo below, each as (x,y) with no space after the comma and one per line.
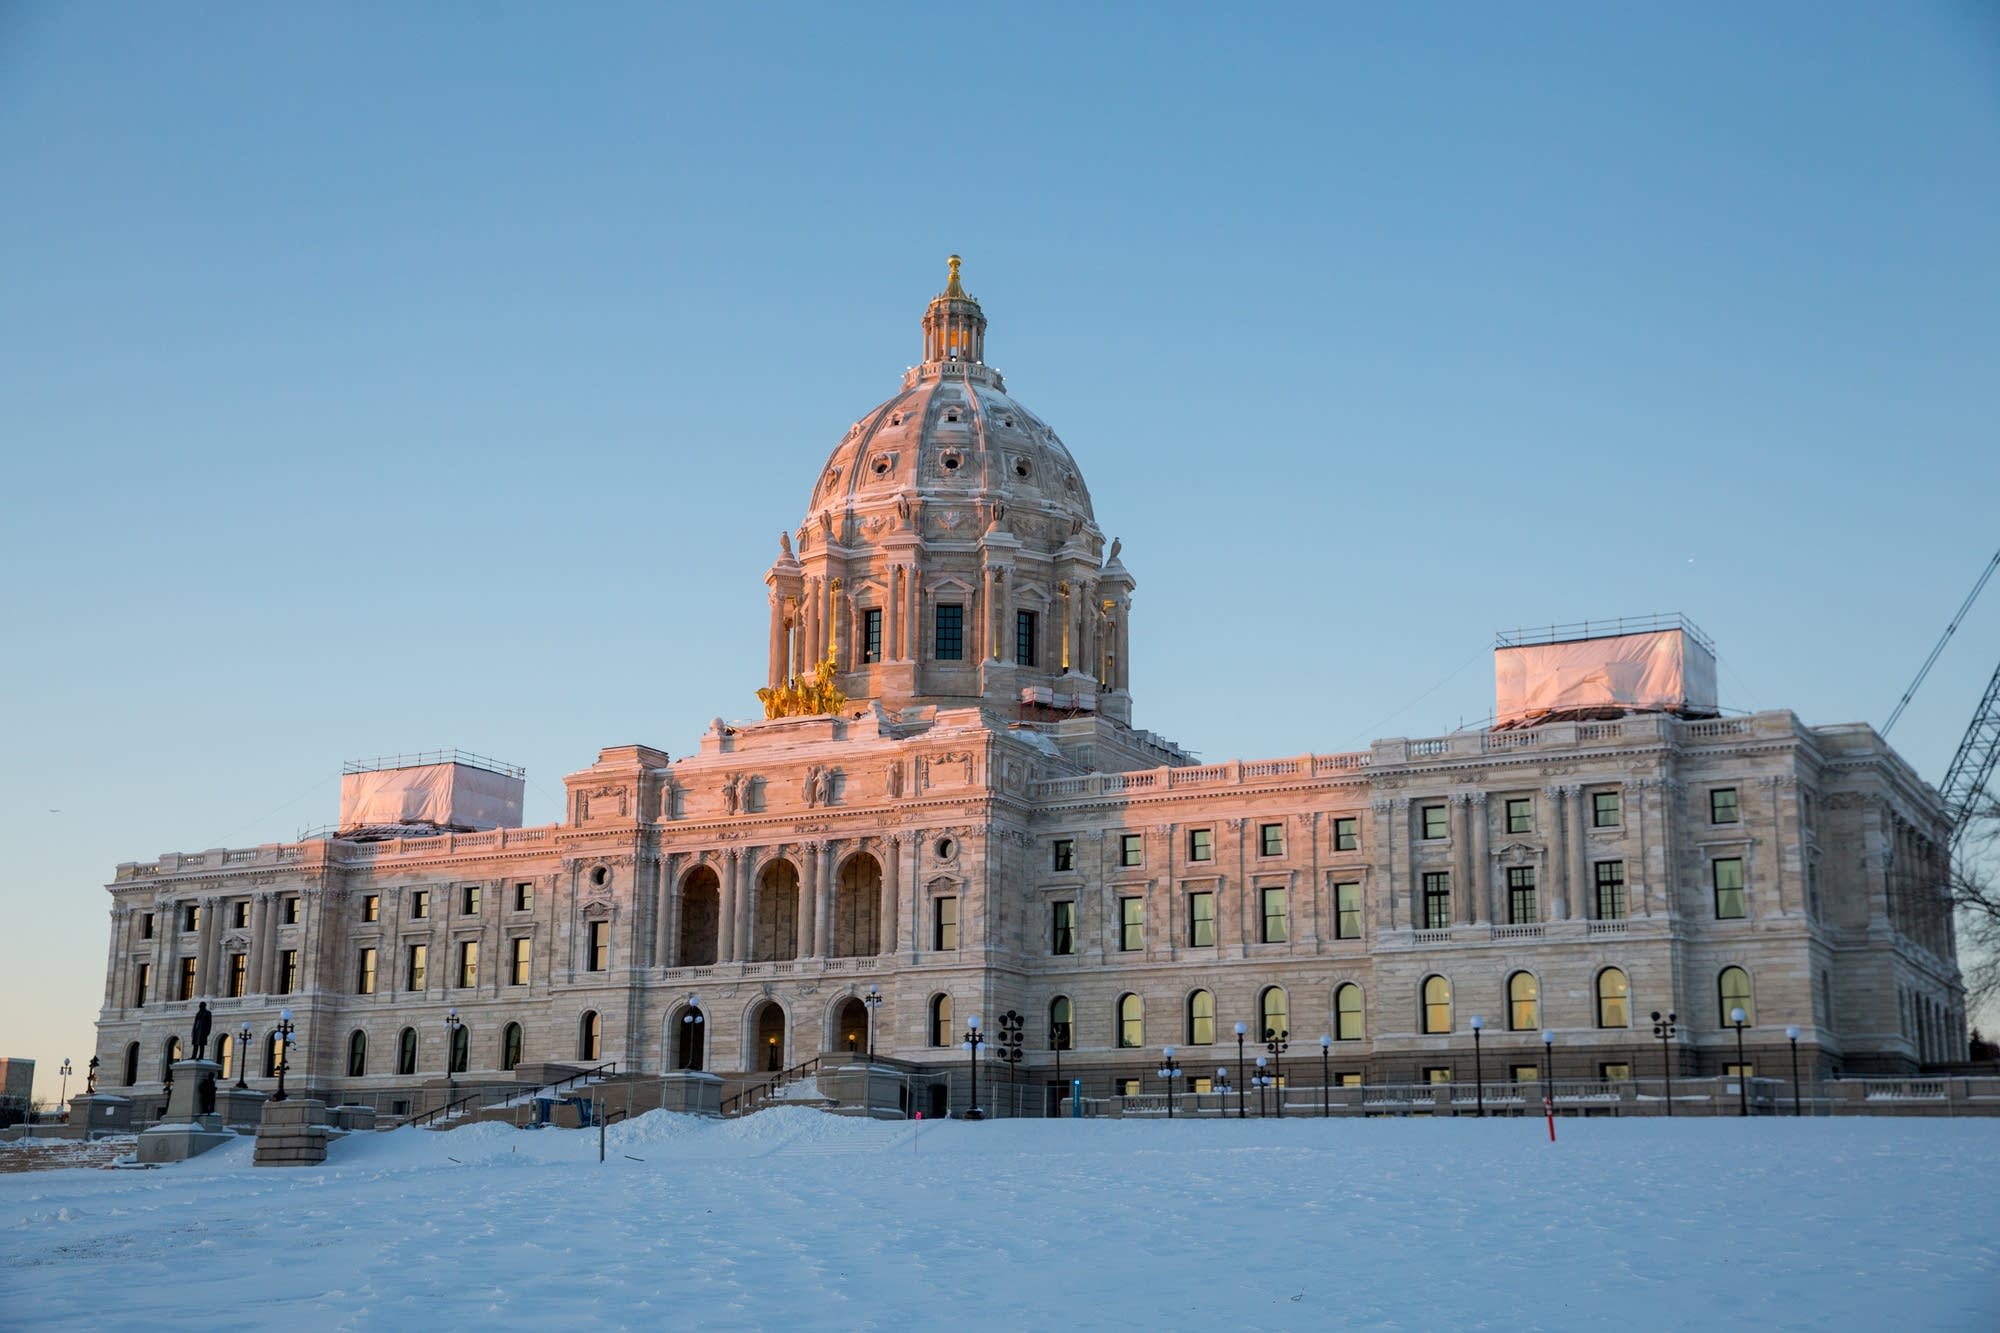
(793,1217)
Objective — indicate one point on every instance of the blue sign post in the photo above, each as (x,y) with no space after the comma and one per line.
(1076,1099)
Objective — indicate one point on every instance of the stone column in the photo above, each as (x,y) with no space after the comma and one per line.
(1124,644)
(1461,855)
(1578,869)
(260,946)
(914,840)
(725,916)
(823,915)
(204,967)
(1383,844)
(778,672)
(808,897)
(1481,886)
(164,927)
(913,629)
(1556,801)
(892,880)
(663,938)
(746,900)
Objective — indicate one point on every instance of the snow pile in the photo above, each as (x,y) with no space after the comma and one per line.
(792,1216)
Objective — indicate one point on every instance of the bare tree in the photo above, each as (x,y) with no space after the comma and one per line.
(1974,889)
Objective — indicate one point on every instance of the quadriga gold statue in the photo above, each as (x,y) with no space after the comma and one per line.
(811,697)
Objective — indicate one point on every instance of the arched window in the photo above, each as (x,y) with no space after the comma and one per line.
(357,1054)
(510,1046)
(1524,1003)
(1733,989)
(1347,1023)
(590,1036)
(1201,1019)
(225,1055)
(274,1053)
(406,1051)
(168,1054)
(1614,999)
(1062,1024)
(1274,1014)
(131,1063)
(461,1048)
(940,1020)
(1131,1021)
(1437,1004)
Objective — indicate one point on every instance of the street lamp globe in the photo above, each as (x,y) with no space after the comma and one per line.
(1792,1033)
(1548,1037)
(1736,1016)
(1477,1022)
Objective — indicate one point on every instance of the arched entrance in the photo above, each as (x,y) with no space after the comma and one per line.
(850,1025)
(701,909)
(767,1033)
(857,899)
(774,935)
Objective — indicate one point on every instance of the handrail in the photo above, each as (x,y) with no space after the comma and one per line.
(744,1099)
(429,1118)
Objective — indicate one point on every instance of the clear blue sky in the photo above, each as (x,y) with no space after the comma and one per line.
(385,377)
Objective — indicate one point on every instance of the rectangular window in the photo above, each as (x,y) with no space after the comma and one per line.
(1131,923)
(1615,1072)
(1274,916)
(871,635)
(1347,911)
(1527,1073)
(468,964)
(291,917)
(1740,1071)
(145,925)
(1127,1087)
(142,979)
(364,973)
(1521,896)
(1348,1079)
(468,900)
(950,633)
(1346,834)
(239,916)
(1722,808)
(420,904)
(1201,920)
(1063,856)
(1062,927)
(1024,637)
(524,897)
(523,952)
(1610,890)
(1607,809)
(190,916)
(1131,849)
(1437,1073)
(944,923)
(1520,814)
(1436,823)
(371,907)
(288,971)
(599,957)
(239,975)
(1437,899)
(1201,844)
(187,979)
(1271,840)
(419,958)
(1728,873)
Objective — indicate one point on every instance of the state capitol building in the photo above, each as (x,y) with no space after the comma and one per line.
(947,811)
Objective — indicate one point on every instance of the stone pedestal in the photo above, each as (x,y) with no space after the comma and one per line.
(292,1133)
(692,1091)
(186,1130)
(870,1090)
(347,1119)
(240,1108)
(101,1113)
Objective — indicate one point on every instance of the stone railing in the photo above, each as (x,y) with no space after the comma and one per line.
(1203,775)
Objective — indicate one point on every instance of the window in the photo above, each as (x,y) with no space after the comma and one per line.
(1347,1017)
(468,964)
(1201,844)
(1346,1079)
(468,900)
(871,635)
(131,1063)
(1131,923)
(274,1055)
(1434,819)
(420,904)
(1062,1030)
(1437,899)
(1524,1002)
(1274,1014)
(1728,874)
(590,1036)
(364,973)
(419,956)
(239,975)
(239,916)
(145,928)
(1618,1072)
(1606,809)
(1734,1070)
(1024,638)
(288,971)
(1722,807)
(461,1048)
(1126,1087)
(357,1054)
(1347,911)
(1521,895)
(371,907)
(524,897)
(1520,814)
(1062,927)
(510,1046)
(1614,999)
(1201,1019)
(1131,849)
(944,923)
(1346,834)
(291,910)
(1610,890)
(141,980)
(187,979)
(1437,1005)
(940,1020)
(1526,1073)
(225,1055)
(598,957)
(1201,919)
(950,633)
(517,974)
(1437,1074)
(1063,857)
(406,1051)
(1131,1021)
(1733,989)
(1270,840)
(1274,915)
(190,916)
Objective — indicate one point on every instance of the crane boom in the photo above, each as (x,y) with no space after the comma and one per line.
(1965,781)
(1943,639)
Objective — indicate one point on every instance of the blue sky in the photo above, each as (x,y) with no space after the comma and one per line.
(378,378)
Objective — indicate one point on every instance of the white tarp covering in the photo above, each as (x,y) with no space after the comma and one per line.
(431,793)
(1663,670)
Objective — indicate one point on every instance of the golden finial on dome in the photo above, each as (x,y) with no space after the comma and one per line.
(952,288)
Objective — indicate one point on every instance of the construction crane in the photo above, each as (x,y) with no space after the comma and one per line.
(1964,785)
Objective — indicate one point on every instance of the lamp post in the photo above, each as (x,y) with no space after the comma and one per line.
(1241,1081)
(873,999)
(451,1026)
(1325,1083)
(284,1037)
(1549,1080)
(1222,1086)
(1736,1017)
(1478,1070)
(1056,1045)
(62,1098)
(1277,1043)
(1010,1051)
(1263,1081)
(1791,1035)
(691,1024)
(973,1044)
(1170,1069)
(1663,1028)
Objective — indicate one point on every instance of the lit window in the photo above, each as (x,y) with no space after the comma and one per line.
(291,911)
(1610,890)
(523,952)
(1346,834)
(1131,1021)
(1526,1073)
(1274,916)
(1437,1005)
(187,979)
(1131,923)
(600,947)
(468,900)
(468,964)
(1435,822)
(1201,919)
(950,633)
(239,975)
(1520,895)
(1520,814)
(419,956)
(190,916)
(239,916)
(1728,873)
(1615,1072)
(871,635)
(1614,999)
(1131,849)
(944,923)
(1524,1002)
(1437,899)
(1062,927)
(1347,1017)
(1201,1019)
(1271,840)
(371,907)
(1201,844)
(1024,637)
(1606,809)
(524,897)
(940,1033)
(1274,1014)
(1064,857)
(364,973)
(1437,1073)
(1061,1019)
(420,904)
(1722,807)
(1347,911)
(1733,989)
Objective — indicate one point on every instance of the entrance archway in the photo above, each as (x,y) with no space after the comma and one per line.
(850,1025)
(701,909)
(767,1030)
(774,935)
(689,1027)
